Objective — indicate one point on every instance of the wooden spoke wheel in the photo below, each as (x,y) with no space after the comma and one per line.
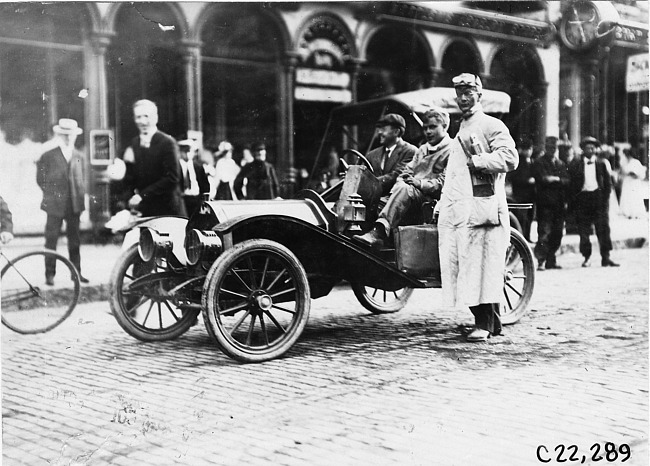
(518,279)
(150,301)
(256,300)
(380,301)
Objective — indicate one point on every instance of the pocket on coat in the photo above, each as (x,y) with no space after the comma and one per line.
(484,212)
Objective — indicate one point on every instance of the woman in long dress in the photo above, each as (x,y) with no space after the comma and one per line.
(226,170)
(632,193)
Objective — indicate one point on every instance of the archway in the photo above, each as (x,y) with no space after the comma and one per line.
(517,71)
(42,62)
(144,62)
(460,57)
(394,66)
(240,77)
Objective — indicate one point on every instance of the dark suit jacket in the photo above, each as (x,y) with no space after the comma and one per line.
(550,194)
(6,223)
(262,181)
(577,179)
(401,155)
(201,178)
(156,174)
(61,181)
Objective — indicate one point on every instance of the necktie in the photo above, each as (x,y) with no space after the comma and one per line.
(385,157)
(187,181)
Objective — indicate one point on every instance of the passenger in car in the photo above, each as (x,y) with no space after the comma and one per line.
(420,181)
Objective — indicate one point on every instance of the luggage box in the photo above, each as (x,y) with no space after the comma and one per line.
(416,248)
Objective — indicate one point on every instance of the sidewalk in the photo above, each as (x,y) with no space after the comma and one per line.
(97,260)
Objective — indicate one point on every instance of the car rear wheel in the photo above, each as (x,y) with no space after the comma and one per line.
(256,300)
(149,300)
(518,279)
(380,301)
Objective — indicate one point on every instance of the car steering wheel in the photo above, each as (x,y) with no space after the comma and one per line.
(359,156)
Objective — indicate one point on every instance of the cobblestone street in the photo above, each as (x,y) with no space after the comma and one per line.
(356,389)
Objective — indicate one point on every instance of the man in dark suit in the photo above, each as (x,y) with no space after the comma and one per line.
(60,173)
(153,170)
(591,185)
(389,159)
(523,186)
(261,179)
(194,181)
(552,180)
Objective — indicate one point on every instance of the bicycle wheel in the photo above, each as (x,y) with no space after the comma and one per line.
(29,305)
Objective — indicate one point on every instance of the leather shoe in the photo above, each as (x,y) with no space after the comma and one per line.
(49,281)
(586,263)
(553,266)
(478,334)
(374,238)
(83,279)
(609,263)
(541,266)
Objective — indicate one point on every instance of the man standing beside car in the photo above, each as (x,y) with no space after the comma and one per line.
(389,159)
(420,181)
(474,226)
(153,170)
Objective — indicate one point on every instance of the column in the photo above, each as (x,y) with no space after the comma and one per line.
(286,162)
(192,60)
(99,99)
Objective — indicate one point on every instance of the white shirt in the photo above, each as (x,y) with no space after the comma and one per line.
(145,138)
(388,152)
(188,169)
(591,184)
(67,152)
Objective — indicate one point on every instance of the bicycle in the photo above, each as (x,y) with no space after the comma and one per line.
(31,306)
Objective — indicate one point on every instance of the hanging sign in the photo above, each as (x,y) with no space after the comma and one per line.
(637,78)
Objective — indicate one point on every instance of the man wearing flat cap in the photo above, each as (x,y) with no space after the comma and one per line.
(60,173)
(389,159)
(474,226)
(590,187)
(259,176)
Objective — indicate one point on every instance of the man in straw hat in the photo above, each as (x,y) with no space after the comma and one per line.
(61,175)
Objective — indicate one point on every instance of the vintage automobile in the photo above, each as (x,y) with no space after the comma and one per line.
(252,267)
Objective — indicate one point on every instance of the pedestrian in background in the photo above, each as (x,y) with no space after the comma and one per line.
(551,181)
(153,171)
(523,186)
(6,223)
(474,224)
(632,191)
(225,171)
(61,174)
(590,188)
(246,156)
(194,179)
(259,176)
(421,180)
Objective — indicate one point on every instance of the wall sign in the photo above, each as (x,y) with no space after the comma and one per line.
(102,147)
(637,77)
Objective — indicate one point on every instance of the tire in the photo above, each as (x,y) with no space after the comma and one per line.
(132,304)
(242,290)
(519,279)
(29,306)
(386,302)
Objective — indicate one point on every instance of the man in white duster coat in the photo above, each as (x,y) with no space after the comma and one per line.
(474,227)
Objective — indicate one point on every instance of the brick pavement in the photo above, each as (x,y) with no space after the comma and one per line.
(403,388)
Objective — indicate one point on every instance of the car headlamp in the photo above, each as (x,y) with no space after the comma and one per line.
(153,244)
(202,246)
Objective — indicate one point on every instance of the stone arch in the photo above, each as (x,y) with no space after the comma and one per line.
(459,55)
(176,11)
(335,28)
(394,66)
(517,70)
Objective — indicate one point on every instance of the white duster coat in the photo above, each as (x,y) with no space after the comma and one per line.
(472,259)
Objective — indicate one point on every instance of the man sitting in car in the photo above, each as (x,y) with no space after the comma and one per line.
(420,181)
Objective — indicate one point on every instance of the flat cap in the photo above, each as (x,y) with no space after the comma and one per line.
(392,119)
(468,79)
(589,140)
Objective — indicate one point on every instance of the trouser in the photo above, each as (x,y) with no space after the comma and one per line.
(487,317)
(525,217)
(52,232)
(403,199)
(550,227)
(590,210)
